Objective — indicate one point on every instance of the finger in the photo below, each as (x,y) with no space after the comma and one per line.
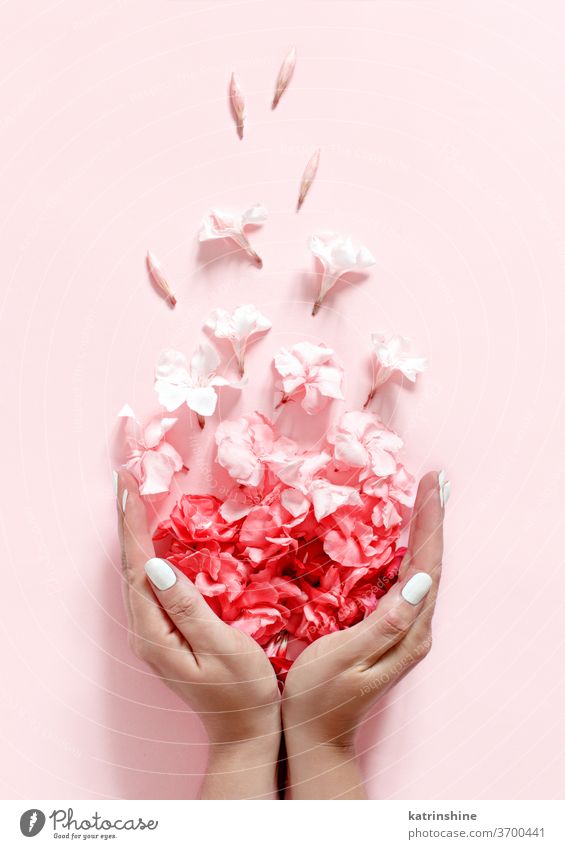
(187,609)
(424,556)
(425,544)
(146,619)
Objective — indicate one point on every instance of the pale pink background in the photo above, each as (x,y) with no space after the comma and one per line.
(443,138)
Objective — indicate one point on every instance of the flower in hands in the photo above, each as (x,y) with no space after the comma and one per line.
(177,383)
(227,225)
(309,374)
(390,355)
(338,256)
(150,459)
(240,326)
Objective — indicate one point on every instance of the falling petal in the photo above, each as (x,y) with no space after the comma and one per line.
(285,74)
(308,177)
(159,278)
(237,104)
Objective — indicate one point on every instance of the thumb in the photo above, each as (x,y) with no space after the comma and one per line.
(186,607)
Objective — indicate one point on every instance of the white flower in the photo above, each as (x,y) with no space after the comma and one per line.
(338,256)
(310,374)
(176,383)
(390,354)
(239,327)
(227,225)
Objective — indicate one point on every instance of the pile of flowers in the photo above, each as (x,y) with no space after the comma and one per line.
(305,543)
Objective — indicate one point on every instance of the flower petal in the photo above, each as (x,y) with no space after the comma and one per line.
(202,400)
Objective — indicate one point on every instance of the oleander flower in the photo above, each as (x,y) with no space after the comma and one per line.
(150,459)
(243,445)
(390,356)
(361,441)
(309,374)
(239,327)
(227,225)
(177,383)
(338,256)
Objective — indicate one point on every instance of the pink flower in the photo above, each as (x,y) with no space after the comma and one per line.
(243,445)
(338,256)
(391,356)
(244,324)
(150,459)
(361,441)
(310,374)
(176,383)
(226,225)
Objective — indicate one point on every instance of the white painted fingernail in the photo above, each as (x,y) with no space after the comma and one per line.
(160,573)
(444,488)
(115,482)
(446,492)
(417,587)
(124,500)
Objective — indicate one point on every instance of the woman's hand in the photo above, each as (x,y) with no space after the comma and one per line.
(339,677)
(220,672)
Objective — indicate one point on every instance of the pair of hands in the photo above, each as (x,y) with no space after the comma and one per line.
(225,676)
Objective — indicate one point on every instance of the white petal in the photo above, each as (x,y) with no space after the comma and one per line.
(411,366)
(170,395)
(126,413)
(202,400)
(365,258)
(329,381)
(172,366)
(220,324)
(254,215)
(204,363)
(287,364)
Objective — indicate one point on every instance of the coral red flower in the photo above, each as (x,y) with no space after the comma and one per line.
(293,551)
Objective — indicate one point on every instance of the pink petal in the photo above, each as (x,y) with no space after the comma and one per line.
(157,471)
(328,497)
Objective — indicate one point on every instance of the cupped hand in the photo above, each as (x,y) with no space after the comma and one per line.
(223,674)
(338,678)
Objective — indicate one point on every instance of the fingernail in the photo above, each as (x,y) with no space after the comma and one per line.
(444,488)
(417,587)
(160,573)
(115,482)
(124,500)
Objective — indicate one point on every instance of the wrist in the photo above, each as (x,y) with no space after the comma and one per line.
(322,768)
